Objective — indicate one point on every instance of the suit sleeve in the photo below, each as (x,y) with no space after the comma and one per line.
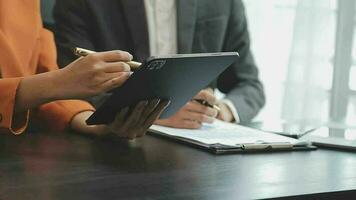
(58,114)
(73,29)
(71,18)
(240,82)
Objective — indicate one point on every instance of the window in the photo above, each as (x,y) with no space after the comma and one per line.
(304,51)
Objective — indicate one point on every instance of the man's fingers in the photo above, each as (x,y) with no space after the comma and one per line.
(179,123)
(112,56)
(209,89)
(207,96)
(199,108)
(190,124)
(198,117)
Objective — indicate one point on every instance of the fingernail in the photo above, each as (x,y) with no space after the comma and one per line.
(168,103)
(131,56)
(127,74)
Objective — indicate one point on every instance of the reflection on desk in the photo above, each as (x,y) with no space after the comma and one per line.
(70,166)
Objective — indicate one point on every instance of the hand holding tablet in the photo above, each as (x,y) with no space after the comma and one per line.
(175,78)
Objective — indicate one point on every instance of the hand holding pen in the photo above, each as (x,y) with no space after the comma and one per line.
(206,97)
(206,103)
(202,109)
(84,52)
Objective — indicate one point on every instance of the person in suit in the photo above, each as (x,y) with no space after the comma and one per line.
(30,81)
(156,27)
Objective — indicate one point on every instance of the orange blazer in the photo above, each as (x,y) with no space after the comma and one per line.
(26,48)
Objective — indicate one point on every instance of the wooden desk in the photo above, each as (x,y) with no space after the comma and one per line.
(70,166)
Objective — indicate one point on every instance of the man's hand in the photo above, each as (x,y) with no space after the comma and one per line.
(127,124)
(225,113)
(193,114)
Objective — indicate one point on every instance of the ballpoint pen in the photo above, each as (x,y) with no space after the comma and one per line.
(206,103)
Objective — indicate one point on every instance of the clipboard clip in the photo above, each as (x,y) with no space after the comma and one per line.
(267,146)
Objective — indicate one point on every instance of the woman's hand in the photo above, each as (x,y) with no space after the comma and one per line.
(127,124)
(94,74)
(87,76)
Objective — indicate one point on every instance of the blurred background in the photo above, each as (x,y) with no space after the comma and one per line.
(306,56)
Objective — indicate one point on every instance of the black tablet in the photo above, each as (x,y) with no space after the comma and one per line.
(338,138)
(177,78)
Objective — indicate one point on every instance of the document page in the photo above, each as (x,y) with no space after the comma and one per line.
(226,134)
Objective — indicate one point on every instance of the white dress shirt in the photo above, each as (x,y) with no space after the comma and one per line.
(162,26)
(162,33)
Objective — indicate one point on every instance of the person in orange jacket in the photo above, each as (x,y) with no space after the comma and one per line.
(31,81)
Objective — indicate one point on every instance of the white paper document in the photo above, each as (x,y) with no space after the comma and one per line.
(226,134)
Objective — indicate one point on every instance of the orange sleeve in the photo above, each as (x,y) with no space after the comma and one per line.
(10,122)
(58,114)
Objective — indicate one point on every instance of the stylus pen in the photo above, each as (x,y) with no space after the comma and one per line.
(206,103)
(84,52)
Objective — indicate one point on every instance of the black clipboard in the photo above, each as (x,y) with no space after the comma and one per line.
(177,78)
(218,148)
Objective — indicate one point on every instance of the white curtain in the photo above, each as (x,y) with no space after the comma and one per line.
(293,42)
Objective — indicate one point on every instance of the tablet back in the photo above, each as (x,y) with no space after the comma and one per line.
(177,78)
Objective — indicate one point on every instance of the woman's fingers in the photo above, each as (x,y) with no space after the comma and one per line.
(116,67)
(149,119)
(156,113)
(108,71)
(114,82)
(148,110)
(111,56)
(135,123)
(130,125)
(94,74)
(120,119)
(110,76)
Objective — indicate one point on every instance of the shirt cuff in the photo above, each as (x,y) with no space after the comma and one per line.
(233,109)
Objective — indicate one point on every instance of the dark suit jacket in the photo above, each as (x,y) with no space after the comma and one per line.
(203,26)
